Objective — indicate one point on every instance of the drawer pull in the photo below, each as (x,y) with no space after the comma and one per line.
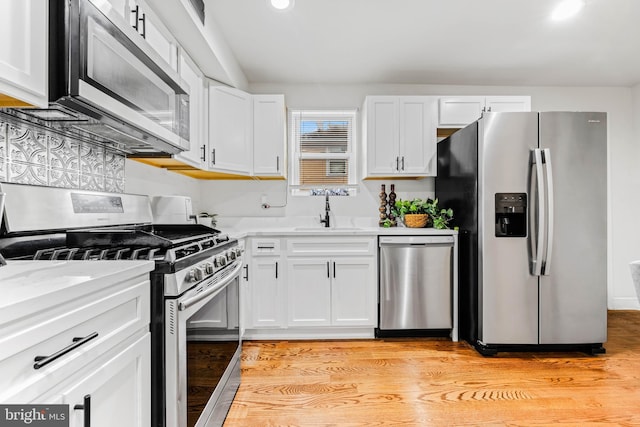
(77,342)
(86,407)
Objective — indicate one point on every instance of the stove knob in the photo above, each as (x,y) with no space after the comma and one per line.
(208,268)
(198,273)
(222,261)
(239,252)
(231,255)
(191,276)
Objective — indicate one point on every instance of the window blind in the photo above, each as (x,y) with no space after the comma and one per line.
(323,147)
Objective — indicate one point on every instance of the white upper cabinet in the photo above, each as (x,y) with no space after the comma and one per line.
(23,52)
(399,136)
(459,111)
(230,130)
(149,26)
(269,136)
(196,155)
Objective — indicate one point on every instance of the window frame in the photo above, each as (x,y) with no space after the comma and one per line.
(296,155)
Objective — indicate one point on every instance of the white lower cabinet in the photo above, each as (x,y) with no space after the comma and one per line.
(319,287)
(353,298)
(309,292)
(266,299)
(331,292)
(113,392)
(91,352)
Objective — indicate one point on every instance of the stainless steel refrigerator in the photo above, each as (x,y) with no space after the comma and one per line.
(529,194)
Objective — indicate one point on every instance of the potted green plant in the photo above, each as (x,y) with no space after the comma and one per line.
(419,213)
(414,213)
(439,218)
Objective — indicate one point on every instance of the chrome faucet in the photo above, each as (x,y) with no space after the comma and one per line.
(327,209)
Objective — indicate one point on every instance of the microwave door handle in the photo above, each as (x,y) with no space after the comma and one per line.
(546,266)
(540,202)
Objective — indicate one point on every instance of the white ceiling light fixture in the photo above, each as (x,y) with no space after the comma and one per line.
(281,4)
(567,9)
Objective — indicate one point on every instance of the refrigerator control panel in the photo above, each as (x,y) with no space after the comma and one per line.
(511,214)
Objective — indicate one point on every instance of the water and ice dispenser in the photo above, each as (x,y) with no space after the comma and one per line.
(511,214)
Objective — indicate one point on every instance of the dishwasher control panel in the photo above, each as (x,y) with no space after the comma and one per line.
(415,240)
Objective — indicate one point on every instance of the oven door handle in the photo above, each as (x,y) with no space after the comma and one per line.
(183,305)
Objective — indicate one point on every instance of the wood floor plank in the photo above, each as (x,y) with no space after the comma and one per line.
(435,382)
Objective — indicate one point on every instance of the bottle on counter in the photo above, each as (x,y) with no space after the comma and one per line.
(392,204)
(383,206)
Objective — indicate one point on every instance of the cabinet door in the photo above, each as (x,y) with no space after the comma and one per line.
(154,32)
(230,130)
(457,112)
(499,104)
(417,136)
(266,295)
(309,292)
(353,295)
(191,74)
(381,136)
(119,390)
(121,6)
(269,136)
(23,52)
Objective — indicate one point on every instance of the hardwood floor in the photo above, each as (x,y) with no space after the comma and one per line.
(435,382)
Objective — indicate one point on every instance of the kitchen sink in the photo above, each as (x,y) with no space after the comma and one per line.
(327,229)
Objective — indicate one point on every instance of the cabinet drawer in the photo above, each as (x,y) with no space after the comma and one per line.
(331,246)
(265,247)
(104,319)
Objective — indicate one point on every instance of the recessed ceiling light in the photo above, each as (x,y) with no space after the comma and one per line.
(566,9)
(282,4)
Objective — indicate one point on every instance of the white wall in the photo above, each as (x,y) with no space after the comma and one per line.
(152,181)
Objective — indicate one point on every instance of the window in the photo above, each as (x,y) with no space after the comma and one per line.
(323,151)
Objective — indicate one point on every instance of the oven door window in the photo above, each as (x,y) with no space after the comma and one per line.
(213,336)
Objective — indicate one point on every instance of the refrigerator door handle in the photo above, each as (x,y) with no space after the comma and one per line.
(546,159)
(540,204)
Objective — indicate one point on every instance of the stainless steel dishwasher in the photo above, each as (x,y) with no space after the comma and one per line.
(416,277)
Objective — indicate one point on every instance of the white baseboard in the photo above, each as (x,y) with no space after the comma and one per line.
(624,303)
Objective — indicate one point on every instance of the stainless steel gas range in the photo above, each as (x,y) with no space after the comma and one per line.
(195,331)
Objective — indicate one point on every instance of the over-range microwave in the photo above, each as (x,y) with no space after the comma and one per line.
(106,82)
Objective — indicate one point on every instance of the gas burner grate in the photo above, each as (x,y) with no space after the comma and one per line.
(98,253)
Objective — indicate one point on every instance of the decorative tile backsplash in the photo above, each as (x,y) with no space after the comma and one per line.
(31,155)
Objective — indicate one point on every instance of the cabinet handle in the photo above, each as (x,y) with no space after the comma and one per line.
(144,25)
(204,153)
(334,269)
(276,269)
(403,163)
(136,11)
(86,407)
(77,342)
(328,275)
(277,163)
(397,163)
(246,272)
(213,156)
(266,247)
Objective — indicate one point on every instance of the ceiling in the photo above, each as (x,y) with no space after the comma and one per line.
(467,42)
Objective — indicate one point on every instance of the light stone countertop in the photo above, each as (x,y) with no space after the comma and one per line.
(29,286)
(304,226)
